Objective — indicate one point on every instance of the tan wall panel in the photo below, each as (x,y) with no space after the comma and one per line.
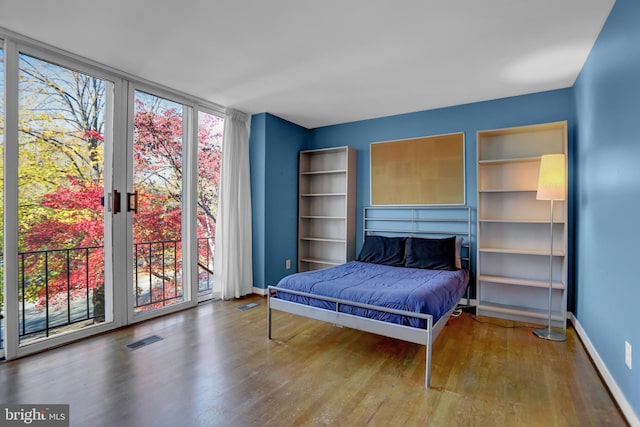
(418,171)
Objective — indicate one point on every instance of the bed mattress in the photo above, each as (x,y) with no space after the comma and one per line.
(417,290)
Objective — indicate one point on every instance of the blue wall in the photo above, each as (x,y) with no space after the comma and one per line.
(603,114)
(257,155)
(607,95)
(470,118)
(275,143)
(273,148)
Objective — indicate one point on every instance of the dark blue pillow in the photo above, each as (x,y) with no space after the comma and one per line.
(383,250)
(433,254)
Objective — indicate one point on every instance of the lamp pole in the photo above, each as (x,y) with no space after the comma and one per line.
(547,333)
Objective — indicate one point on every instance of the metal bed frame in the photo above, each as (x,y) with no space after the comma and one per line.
(425,221)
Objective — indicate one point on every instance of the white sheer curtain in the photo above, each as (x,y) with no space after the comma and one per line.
(233,272)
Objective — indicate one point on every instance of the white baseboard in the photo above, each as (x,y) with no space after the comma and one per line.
(621,400)
(260,291)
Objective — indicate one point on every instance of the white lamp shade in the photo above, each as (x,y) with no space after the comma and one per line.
(551,181)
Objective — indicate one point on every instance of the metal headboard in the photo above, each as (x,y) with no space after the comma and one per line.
(421,221)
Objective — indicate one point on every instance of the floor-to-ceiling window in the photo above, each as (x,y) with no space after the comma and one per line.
(210,129)
(104,218)
(158,141)
(61,134)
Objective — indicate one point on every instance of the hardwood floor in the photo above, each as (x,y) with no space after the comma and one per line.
(215,366)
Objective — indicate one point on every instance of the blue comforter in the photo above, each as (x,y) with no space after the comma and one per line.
(411,289)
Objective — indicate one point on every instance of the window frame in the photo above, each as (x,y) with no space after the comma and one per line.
(124,84)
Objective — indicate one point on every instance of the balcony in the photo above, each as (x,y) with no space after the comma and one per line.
(62,290)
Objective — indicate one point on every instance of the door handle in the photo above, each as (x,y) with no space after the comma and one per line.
(133,208)
(116,201)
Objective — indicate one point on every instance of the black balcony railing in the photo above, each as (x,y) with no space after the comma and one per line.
(205,265)
(49,298)
(157,274)
(63,289)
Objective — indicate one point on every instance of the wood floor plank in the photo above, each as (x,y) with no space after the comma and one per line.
(216,367)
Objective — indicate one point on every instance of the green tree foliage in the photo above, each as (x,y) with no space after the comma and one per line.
(61,158)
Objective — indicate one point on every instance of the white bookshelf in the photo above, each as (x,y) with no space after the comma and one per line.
(326,208)
(514,228)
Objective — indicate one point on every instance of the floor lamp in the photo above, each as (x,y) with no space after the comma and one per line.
(551,186)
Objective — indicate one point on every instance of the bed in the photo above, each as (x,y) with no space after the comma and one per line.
(409,276)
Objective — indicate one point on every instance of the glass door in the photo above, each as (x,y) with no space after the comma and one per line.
(155,203)
(63,136)
(210,131)
(85,257)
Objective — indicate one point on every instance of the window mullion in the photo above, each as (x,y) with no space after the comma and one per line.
(189,207)
(11,278)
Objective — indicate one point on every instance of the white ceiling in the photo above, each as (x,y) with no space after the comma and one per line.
(318,63)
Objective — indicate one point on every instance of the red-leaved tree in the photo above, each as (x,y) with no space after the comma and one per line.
(67,226)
